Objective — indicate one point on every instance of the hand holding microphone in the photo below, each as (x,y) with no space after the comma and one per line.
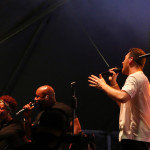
(111,72)
(27,107)
(100,82)
(114,74)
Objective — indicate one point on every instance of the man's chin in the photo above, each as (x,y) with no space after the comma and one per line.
(39,107)
(124,72)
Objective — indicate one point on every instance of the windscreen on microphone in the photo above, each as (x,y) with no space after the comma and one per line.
(116,70)
(73,84)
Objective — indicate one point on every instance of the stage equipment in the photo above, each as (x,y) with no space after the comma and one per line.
(81,141)
(74,104)
(23,109)
(145,56)
(116,70)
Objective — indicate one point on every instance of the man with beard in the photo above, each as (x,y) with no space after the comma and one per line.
(133,99)
(52,123)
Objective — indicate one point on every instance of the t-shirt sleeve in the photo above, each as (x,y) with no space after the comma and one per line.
(130,86)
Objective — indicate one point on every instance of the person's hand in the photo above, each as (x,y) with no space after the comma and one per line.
(96,82)
(27,112)
(113,78)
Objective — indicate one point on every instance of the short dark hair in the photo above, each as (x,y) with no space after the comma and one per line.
(135,53)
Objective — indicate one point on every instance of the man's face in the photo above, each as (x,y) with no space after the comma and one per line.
(125,63)
(39,95)
(40,98)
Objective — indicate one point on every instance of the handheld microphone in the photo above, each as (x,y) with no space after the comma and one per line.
(116,70)
(23,109)
(145,56)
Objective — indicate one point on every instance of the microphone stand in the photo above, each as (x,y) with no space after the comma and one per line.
(74,105)
(80,137)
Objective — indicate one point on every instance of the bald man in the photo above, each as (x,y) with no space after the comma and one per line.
(53,121)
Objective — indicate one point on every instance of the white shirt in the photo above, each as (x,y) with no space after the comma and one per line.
(134,120)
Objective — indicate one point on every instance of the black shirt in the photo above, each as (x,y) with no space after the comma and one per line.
(51,125)
(11,135)
(56,117)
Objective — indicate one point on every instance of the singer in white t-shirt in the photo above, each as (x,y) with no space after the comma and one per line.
(133,99)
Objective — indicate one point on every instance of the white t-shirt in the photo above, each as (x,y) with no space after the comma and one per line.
(134,120)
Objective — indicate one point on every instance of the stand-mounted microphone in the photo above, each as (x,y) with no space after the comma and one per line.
(73,84)
(23,109)
(116,70)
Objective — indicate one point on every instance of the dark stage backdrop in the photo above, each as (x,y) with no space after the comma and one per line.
(56,42)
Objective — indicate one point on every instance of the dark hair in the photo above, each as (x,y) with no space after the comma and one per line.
(135,53)
(10,101)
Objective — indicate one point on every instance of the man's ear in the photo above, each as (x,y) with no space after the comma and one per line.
(131,60)
(46,97)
